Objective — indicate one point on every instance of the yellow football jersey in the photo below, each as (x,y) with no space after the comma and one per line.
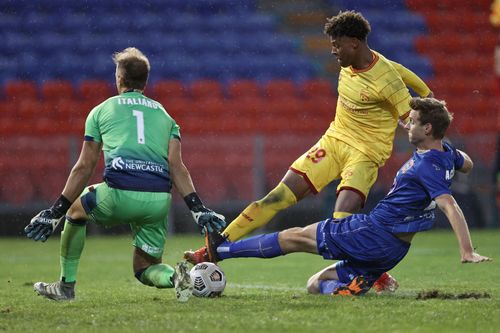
(369,105)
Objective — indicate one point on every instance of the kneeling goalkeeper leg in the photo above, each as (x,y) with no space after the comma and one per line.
(159,276)
(72,243)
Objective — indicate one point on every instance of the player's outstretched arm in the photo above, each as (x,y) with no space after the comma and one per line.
(45,222)
(83,170)
(455,216)
(203,216)
(412,80)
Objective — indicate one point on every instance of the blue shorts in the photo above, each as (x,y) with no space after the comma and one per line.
(362,247)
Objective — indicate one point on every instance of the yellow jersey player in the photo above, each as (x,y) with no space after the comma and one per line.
(372,99)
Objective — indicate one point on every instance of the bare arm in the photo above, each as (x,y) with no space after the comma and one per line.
(468,164)
(178,171)
(455,216)
(44,223)
(83,170)
(204,217)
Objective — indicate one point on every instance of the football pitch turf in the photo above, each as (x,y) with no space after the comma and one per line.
(261,295)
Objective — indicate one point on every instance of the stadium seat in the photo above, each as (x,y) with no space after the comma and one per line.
(317,88)
(243,88)
(178,107)
(95,91)
(165,89)
(55,90)
(250,107)
(448,5)
(203,89)
(17,188)
(20,90)
(286,106)
(280,88)
(27,109)
(210,107)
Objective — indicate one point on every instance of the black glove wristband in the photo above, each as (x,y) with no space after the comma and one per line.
(193,201)
(61,205)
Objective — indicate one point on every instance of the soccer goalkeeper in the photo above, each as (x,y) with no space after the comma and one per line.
(369,245)
(142,151)
(372,98)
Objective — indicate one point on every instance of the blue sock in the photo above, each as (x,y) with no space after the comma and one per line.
(328,286)
(261,246)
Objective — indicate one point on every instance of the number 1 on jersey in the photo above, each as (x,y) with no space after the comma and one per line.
(140,126)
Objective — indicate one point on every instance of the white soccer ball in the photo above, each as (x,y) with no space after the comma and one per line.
(208,280)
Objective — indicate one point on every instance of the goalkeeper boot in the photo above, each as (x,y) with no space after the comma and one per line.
(385,284)
(358,286)
(182,282)
(58,291)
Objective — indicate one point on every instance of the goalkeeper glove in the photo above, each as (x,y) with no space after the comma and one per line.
(45,222)
(203,216)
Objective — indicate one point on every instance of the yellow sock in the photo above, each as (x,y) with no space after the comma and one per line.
(259,213)
(341,215)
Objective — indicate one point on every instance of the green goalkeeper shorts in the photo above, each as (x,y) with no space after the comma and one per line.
(146,212)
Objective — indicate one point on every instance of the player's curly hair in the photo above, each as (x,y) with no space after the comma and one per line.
(348,23)
(133,66)
(433,111)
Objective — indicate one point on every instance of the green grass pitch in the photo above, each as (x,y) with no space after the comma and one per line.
(261,295)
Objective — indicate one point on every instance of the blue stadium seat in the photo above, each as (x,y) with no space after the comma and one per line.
(175,66)
(75,22)
(221,22)
(208,6)
(15,42)
(9,22)
(361,5)
(8,68)
(230,43)
(256,23)
(185,23)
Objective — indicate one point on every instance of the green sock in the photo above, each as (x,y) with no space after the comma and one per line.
(159,276)
(72,242)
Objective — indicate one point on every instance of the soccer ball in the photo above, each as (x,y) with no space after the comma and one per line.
(208,280)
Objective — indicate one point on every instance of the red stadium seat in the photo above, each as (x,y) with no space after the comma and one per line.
(211,107)
(16,188)
(285,106)
(448,6)
(57,89)
(254,107)
(203,89)
(323,107)
(166,89)
(8,126)
(19,90)
(317,88)
(280,88)
(95,91)
(178,107)
(243,88)
(28,108)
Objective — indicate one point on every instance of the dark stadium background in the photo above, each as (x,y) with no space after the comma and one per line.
(251,83)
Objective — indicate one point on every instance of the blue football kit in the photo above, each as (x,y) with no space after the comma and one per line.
(367,245)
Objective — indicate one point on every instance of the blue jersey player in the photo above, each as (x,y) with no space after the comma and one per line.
(369,245)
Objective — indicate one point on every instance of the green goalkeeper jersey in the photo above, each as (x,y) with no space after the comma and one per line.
(135,131)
